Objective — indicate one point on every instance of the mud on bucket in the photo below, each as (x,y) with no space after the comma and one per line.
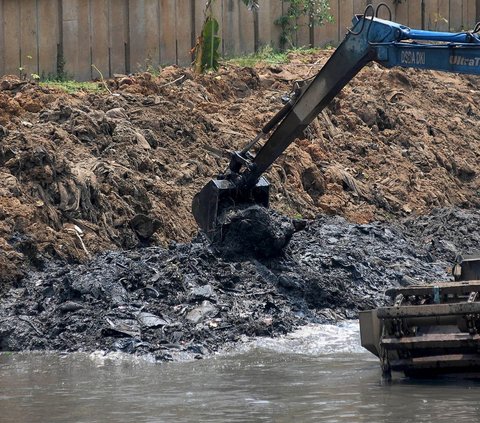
(220,194)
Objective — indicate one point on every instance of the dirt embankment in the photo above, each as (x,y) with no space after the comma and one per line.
(84,173)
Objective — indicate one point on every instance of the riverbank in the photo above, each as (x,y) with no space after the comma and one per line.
(188,300)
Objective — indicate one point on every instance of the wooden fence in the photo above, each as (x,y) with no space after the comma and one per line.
(120,36)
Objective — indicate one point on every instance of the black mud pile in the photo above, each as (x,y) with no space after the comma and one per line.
(447,234)
(254,232)
(189,300)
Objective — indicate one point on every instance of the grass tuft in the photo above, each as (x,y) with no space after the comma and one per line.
(73,87)
(268,55)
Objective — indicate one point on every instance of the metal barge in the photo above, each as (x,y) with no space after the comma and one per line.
(429,329)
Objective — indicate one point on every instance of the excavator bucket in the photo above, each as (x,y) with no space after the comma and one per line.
(220,194)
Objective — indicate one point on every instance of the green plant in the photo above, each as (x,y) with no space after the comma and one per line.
(265,55)
(208,43)
(73,87)
(317,13)
(268,55)
(24,71)
(206,52)
(102,79)
(62,74)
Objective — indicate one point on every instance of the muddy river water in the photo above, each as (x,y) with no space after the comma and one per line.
(320,373)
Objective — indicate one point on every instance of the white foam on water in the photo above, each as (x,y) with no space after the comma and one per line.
(316,339)
(312,339)
(101,358)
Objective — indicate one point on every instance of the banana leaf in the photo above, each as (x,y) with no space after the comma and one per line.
(210,45)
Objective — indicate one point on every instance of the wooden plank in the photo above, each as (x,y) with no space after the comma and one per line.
(400,12)
(331,29)
(184,32)
(384,13)
(276,11)
(322,32)
(302,37)
(199,16)
(152,34)
(28,37)
(464,24)
(443,15)
(345,15)
(12,25)
(414,14)
(76,39)
(118,35)
(359,6)
(84,71)
(136,13)
(431,13)
(48,37)
(318,35)
(218,15)
(456,15)
(167,24)
(70,36)
(473,12)
(144,18)
(246,29)
(231,29)
(470,14)
(265,23)
(2,39)
(99,36)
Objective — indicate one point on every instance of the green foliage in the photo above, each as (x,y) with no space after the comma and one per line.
(317,13)
(206,50)
(211,44)
(62,74)
(207,56)
(266,55)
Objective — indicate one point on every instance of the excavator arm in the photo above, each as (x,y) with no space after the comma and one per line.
(370,39)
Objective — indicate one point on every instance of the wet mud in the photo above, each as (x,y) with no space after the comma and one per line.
(190,300)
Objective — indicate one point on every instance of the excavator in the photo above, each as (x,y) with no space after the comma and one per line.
(428,327)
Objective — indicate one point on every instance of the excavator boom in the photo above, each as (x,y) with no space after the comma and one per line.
(370,39)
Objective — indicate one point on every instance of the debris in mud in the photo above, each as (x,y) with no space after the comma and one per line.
(447,234)
(188,300)
(253,231)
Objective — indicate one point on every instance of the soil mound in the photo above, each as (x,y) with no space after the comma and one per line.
(88,172)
